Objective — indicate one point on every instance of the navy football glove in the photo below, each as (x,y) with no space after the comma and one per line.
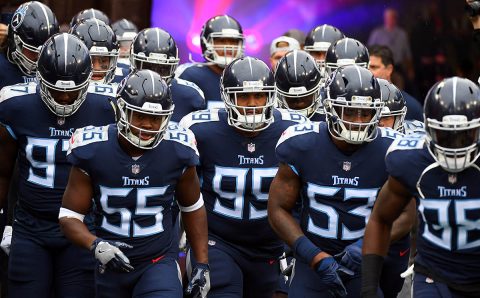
(110,256)
(351,257)
(329,272)
(199,284)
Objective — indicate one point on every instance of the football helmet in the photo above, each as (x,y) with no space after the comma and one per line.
(32,24)
(145,92)
(248,75)
(101,42)
(155,49)
(125,31)
(344,52)
(395,105)
(353,92)
(319,39)
(297,83)
(224,27)
(452,123)
(90,13)
(64,66)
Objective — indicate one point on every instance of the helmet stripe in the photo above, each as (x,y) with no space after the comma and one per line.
(65,38)
(455,80)
(359,75)
(153,81)
(46,17)
(295,62)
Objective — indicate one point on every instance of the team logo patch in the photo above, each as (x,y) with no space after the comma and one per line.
(60,121)
(135,169)
(452,178)
(347,166)
(251,147)
(19,15)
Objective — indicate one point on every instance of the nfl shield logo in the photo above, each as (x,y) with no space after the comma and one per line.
(452,178)
(347,166)
(135,169)
(251,147)
(60,121)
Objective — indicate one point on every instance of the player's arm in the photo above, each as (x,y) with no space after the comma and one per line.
(194,216)
(76,203)
(283,194)
(391,201)
(404,223)
(8,156)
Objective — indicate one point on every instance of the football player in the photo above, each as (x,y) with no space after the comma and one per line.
(148,165)
(441,170)
(346,51)
(237,164)
(318,41)
(156,50)
(298,85)
(395,110)
(37,121)
(32,24)
(125,31)
(336,168)
(90,13)
(222,41)
(103,46)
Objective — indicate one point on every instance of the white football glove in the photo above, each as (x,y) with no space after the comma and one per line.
(6,239)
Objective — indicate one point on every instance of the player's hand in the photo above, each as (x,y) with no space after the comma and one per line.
(6,239)
(199,284)
(110,256)
(329,272)
(351,257)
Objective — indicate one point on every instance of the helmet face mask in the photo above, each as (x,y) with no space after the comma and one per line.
(107,62)
(305,103)
(27,65)
(145,103)
(395,105)
(222,40)
(156,50)
(245,81)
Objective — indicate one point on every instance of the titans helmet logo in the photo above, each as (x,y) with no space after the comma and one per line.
(19,15)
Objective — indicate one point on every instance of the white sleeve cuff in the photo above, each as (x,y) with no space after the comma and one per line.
(193,207)
(64,212)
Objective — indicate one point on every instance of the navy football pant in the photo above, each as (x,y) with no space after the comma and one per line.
(395,263)
(424,287)
(305,283)
(160,279)
(43,267)
(234,275)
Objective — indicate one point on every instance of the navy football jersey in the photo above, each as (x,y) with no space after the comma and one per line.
(187,98)
(338,190)
(133,196)
(448,241)
(11,74)
(121,72)
(207,80)
(318,117)
(236,173)
(42,139)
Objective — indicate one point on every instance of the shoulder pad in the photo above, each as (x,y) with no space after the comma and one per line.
(199,117)
(386,132)
(88,135)
(409,142)
(414,126)
(103,89)
(299,129)
(191,85)
(292,116)
(181,68)
(182,135)
(17,90)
